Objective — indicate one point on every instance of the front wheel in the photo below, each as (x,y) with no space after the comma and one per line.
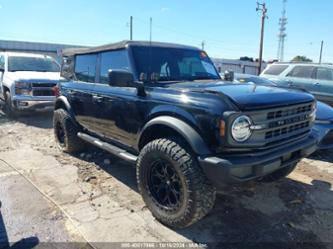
(65,131)
(279,174)
(172,184)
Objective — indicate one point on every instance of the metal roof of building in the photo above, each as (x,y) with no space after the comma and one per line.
(9,45)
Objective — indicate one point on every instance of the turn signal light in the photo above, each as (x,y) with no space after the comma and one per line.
(222,128)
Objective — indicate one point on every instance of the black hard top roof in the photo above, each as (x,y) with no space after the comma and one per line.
(122,44)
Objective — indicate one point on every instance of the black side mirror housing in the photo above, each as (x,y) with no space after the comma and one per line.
(120,78)
(2,70)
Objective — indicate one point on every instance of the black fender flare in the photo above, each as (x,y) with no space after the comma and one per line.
(62,102)
(191,136)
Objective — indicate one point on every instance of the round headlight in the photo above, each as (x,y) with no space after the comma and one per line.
(241,128)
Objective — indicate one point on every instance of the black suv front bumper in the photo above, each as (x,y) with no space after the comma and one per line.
(238,168)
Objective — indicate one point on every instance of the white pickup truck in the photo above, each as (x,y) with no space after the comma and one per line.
(27,82)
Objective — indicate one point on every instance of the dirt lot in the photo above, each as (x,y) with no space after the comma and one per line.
(102,199)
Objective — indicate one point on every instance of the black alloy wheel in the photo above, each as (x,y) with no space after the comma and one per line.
(172,184)
(165,185)
(65,132)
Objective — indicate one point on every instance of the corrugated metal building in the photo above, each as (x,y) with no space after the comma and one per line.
(51,49)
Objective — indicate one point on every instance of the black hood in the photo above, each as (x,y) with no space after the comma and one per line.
(250,96)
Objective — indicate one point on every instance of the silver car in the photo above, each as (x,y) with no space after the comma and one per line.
(315,78)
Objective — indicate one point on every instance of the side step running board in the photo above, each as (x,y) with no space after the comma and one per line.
(123,154)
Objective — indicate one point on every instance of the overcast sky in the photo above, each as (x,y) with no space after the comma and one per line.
(229,28)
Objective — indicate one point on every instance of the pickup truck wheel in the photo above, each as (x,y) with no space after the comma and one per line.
(172,184)
(65,131)
(8,108)
(279,174)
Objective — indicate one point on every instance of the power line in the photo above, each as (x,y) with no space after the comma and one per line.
(199,38)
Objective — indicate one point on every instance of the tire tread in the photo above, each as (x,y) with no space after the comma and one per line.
(72,142)
(202,194)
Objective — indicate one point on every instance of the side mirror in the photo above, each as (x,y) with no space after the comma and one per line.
(2,70)
(121,78)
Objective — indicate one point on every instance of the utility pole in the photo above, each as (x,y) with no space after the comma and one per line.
(131,28)
(203,43)
(261,7)
(151,30)
(321,51)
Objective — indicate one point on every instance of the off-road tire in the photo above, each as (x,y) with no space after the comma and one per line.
(69,142)
(8,107)
(279,174)
(198,196)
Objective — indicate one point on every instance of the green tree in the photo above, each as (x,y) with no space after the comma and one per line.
(301,58)
(246,58)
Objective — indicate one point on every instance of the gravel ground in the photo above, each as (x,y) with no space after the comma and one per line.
(297,210)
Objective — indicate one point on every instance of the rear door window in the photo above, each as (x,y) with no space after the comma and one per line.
(85,67)
(113,60)
(306,72)
(275,69)
(324,74)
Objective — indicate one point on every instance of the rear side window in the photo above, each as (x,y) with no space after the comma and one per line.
(324,73)
(85,67)
(302,72)
(113,60)
(275,69)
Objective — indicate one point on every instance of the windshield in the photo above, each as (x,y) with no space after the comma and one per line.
(37,64)
(156,64)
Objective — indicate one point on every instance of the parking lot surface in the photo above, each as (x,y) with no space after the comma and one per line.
(98,196)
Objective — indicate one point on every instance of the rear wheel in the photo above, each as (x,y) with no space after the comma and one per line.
(279,174)
(65,132)
(172,184)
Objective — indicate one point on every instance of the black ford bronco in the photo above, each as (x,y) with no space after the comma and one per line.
(164,107)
